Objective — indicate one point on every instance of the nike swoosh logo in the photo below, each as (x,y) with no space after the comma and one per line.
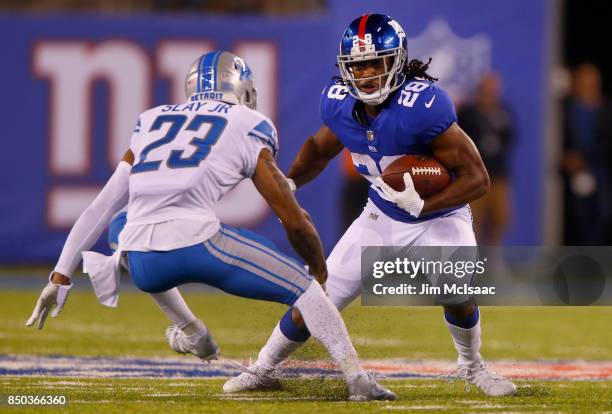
(428,104)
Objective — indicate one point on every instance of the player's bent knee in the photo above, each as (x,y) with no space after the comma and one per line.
(149,286)
(312,292)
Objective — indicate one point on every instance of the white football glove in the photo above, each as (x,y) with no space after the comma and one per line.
(52,294)
(408,200)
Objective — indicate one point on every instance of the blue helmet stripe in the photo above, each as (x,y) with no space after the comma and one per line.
(199,77)
(215,63)
(205,74)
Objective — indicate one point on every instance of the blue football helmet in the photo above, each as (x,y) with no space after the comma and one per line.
(222,76)
(370,37)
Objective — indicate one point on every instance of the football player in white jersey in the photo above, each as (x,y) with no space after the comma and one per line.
(182,159)
(383,107)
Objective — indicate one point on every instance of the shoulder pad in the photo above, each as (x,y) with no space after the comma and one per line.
(263,129)
(428,108)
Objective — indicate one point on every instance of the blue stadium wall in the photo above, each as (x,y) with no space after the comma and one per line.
(297,57)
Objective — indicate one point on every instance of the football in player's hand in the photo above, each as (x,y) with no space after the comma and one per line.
(428,174)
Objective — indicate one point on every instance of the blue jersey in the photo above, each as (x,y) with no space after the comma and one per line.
(411,118)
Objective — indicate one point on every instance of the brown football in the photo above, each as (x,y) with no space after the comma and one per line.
(429,176)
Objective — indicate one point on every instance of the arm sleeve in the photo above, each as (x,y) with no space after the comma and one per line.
(92,222)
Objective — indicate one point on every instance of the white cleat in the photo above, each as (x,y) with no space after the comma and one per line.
(200,344)
(252,379)
(364,387)
(488,381)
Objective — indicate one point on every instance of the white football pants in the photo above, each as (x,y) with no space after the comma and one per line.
(374,228)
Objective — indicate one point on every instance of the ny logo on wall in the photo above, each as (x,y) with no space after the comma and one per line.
(456,61)
(74,68)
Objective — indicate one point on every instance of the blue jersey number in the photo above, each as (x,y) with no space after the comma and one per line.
(176,159)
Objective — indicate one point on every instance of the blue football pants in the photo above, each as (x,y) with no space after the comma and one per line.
(235,260)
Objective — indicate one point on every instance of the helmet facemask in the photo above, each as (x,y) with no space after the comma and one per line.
(390,80)
(249,97)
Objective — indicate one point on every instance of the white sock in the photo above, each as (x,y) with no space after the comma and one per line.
(173,305)
(276,350)
(325,323)
(467,343)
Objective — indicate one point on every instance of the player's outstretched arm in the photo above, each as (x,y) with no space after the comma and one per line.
(273,186)
(314,155)
(85,232)
(457,152)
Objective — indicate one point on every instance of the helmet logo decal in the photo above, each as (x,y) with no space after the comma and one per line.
(398,29)
(246,74)
(245,71)
(239,63)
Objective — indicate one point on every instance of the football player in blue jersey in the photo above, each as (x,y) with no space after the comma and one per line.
(382,107)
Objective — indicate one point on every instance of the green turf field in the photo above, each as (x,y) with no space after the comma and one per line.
(241,327)
(306,396)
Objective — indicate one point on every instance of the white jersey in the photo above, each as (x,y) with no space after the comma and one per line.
(187,157)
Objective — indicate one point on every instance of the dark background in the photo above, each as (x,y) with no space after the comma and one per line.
(587,36)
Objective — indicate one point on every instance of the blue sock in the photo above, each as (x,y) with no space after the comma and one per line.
(291,330)
(466,323)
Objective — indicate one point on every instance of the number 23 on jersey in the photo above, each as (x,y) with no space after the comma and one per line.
(176,158)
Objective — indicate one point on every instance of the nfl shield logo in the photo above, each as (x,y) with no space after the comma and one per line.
(458,62)
(370,135)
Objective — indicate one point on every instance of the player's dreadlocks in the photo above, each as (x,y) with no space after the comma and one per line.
(414,68)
